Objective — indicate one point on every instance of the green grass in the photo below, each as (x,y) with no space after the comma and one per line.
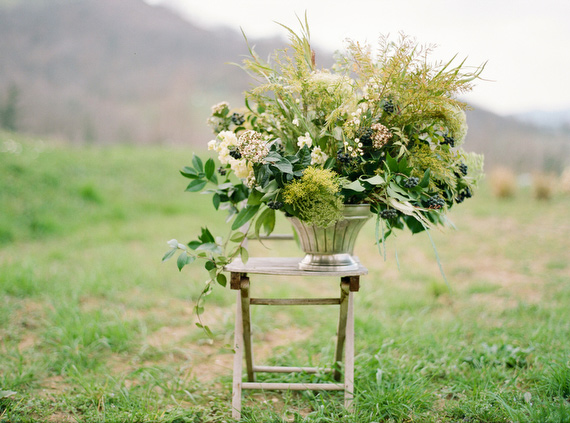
(95,328)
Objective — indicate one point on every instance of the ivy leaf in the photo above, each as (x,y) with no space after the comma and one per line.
(237,237)
(206,329)
(244,216)
(221,279)
(196,185)
(183,260)
(243,254)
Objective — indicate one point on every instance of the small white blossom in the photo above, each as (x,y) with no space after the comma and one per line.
(305,140)
(295,122)
(252,147)
(227,140)
(318,157)
(240,167)
(220,107)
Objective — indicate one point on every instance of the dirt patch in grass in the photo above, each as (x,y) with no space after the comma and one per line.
(209,364)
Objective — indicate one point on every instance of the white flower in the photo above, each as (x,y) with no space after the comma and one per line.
(295,122)
(213,145)
(305,140)
(240,167)
(220,107)
(252,146)
(227,139)
(318,157)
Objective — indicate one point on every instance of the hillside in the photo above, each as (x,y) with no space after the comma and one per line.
(113,70)
(107,71)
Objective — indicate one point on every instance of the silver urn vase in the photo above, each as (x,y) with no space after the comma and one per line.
(331,248)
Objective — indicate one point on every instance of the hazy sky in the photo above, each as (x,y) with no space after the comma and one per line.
(526,43)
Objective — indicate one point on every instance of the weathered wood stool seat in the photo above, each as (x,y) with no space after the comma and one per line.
(240,281)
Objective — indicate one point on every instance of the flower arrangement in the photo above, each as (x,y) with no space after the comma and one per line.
(382,128)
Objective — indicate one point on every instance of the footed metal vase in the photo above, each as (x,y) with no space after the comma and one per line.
(331,248)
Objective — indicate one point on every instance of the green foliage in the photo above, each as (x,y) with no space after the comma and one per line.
(315,198)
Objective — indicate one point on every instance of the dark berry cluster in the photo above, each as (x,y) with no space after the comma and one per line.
(389,214)
(389,107)
(411,182)
(435,202)
(222,170)
(238,119)
(463,169)
(448,140)
(275,205)
(343,157)
(465,193)
(234,153)
(365,136)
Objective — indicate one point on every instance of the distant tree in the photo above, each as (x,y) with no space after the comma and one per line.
(9,110)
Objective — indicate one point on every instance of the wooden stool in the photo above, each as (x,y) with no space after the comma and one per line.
(350,281)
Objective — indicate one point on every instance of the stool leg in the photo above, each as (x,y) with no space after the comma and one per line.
(238,361)
(349,359)
(246,324)
(341,332)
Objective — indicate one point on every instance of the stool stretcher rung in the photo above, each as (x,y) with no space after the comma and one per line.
(294,301)
(284,369)
(267,386)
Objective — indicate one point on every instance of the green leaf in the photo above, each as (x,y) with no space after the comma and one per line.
(354,186)
(210,171)
(206,236)
(222,280)
(206,329)
(183,260)
(375,180)
(244,255)
(237,237)
(254,198)
(425,180)
(194,244)
(216,201)
(244,216)
(267,220)
(197,162)
(210,246)
(189,172)
(392,164)
(196,185)
(169,254)
(209,265)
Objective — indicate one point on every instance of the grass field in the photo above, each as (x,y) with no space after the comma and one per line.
(94,328)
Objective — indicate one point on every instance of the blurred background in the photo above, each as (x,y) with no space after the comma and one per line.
(147,72)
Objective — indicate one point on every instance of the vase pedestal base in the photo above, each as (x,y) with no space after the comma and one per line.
(328,262)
